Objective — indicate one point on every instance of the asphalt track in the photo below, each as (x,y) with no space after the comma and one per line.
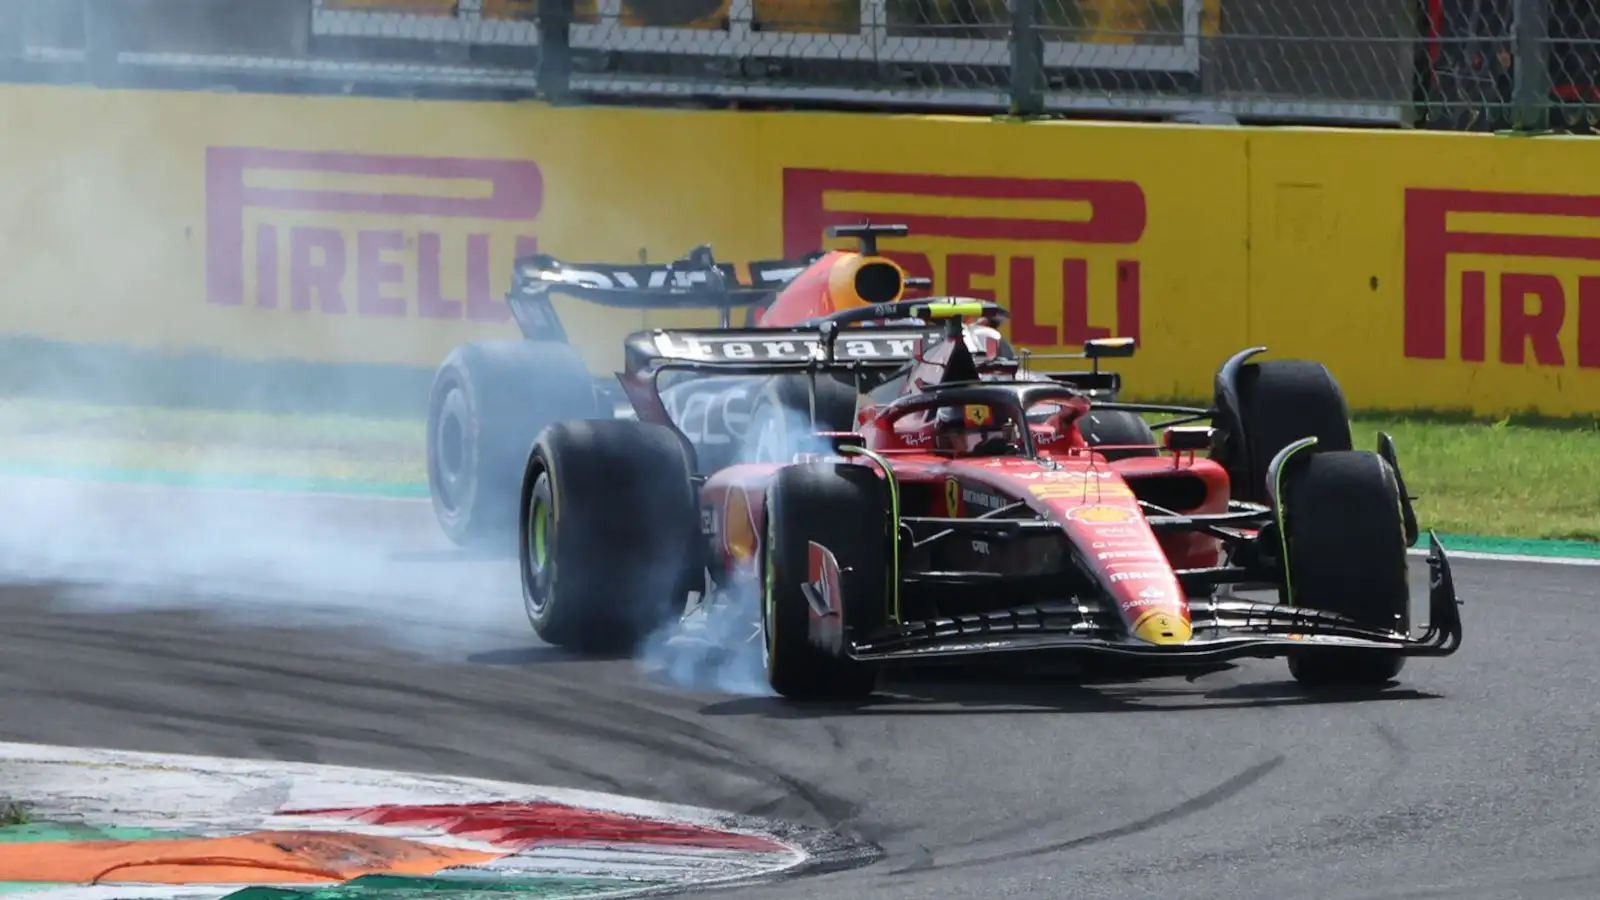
(251,629)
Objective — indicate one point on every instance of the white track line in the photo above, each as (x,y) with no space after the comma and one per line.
(1511,557)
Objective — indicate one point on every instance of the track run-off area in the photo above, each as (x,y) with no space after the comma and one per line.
(346,631)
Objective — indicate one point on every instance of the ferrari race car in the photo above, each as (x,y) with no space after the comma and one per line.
(490,399)
(967,513)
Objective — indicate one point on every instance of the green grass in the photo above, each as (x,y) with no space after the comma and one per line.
(1516,478)
(1498,479)
(12,814)
(1521,477)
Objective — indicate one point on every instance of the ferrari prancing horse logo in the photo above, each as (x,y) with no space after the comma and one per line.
(952,497)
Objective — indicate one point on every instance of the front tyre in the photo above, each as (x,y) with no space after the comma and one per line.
(1347,555)
(844,510)
(609,534)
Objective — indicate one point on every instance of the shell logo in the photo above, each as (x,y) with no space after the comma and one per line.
(739,526)
(1163,627)
(1100,514)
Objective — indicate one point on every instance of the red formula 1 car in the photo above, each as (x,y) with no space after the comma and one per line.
(968,513)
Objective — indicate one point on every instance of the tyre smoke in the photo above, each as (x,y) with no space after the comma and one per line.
(720,649)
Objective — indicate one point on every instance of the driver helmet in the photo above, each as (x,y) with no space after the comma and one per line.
(973,428)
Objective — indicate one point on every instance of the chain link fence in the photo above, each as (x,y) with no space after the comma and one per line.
(1446,64)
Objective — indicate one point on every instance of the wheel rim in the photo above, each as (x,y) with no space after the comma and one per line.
(769,599)
(541,536)
(450,451)
(537,557)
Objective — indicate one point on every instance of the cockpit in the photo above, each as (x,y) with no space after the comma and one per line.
(978,429)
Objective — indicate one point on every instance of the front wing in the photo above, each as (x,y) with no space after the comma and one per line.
(1225,628)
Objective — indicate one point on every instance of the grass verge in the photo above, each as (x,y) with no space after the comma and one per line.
(1531,480)
(1497,478)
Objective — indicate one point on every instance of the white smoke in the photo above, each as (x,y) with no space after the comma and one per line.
(108,242)
(279,559)
(720,649)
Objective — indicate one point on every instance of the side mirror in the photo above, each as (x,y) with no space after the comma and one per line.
(1193,439)
(1110,348)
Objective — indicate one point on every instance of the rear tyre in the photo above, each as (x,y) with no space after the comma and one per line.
(609,533)
(489,401)
(1347,555)
(843,508)
(1280,402)
(1111,428)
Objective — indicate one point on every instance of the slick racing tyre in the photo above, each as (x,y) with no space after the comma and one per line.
(1347,555)
(609,533)
(780,420)
(1280,402)
(843,508)
(488,403)
(1118,428)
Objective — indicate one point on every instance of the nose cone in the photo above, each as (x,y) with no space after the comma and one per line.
(1161,626)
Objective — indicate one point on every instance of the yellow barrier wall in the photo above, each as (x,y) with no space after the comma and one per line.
(1432,270)
(358,230)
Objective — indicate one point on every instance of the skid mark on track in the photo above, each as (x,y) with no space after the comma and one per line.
(1399,757)
(354,700)
(1216,795)
(833,809)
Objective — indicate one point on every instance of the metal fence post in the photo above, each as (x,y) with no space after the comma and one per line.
(555,49)
(1530,29)
(1027,59)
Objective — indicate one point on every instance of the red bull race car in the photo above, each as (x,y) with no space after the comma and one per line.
(489,399)
(967,512)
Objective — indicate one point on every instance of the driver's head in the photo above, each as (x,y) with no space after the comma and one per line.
(974,428)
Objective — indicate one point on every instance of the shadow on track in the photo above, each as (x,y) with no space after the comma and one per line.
(986,692)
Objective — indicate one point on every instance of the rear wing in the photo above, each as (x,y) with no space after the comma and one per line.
(697,281)
(823,343)
(758,350)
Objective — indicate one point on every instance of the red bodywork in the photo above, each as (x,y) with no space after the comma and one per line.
(1095,500)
